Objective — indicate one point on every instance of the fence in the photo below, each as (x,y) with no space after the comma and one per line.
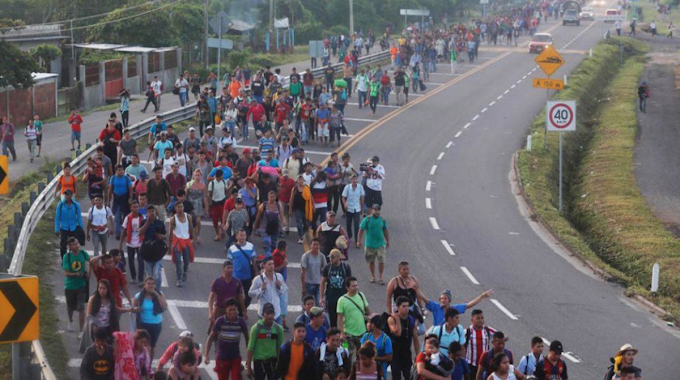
(28,219)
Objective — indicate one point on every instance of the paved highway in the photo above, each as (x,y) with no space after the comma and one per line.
(469,126)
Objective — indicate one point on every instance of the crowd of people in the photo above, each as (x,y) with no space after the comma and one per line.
(253,198)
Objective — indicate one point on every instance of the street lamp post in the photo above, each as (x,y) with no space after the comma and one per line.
(351,17)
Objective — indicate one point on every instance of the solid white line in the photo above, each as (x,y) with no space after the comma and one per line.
(458,134)
(416,94)
(566,355)
(499,97)
(449,144)
(433,84)
(428,203)
(433,170)
(428,186)
(475,118)
(379,105)
(484,110)
(513,86)
(448,248)
(176,316)
(469,275)
(353,119)
(164,278)
(441,155)
(433,221)
(503,309)
(467,125)
(506,92)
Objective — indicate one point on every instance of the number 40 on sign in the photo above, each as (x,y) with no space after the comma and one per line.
(560,116)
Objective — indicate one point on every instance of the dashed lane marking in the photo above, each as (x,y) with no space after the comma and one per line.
(428,203)
(504,309)
(475,118)
(433,170)
(441,155)
(428,186)
(469,275)
(434,223)
(448,248)
(449,144)
(467,125)
(458,134)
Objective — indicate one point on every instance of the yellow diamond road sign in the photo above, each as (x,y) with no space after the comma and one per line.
(549,60)
(19,314)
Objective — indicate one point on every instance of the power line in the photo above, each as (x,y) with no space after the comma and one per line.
(86,17)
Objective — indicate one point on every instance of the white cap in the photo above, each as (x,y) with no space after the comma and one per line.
(192,129)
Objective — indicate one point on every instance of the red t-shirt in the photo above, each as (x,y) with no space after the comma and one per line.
(229,205)
(75,122)
(281,110)
(285,189)
(102,135)
(116,280)
(305,111)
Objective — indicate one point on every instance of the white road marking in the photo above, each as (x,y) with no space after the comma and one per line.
(469,275)
(433,170)
(513,233)
(164,279)
(448,248)
(176,316)
(492,103)
(449,144)
(428,203)
(433,221)
(513,86)
(210,260)
(467,125)
(565,354)
(519,81)
(458,134)
(500,97)
(524,77)
(354,119)
(441,155)
(379,105)
(475,118)
(504,309)
(529,73)
(428,186)
(506,91)
(433,84)
(484,110)
(416,94)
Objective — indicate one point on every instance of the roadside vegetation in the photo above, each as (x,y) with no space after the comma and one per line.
(605,220)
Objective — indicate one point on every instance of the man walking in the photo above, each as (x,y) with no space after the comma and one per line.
(311,263)
(76,268)
(267,289)
(352,309)
(374,228)
(7,131)
(68,221)
(332,285)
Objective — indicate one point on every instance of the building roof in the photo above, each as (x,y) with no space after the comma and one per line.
(32,33)
(135,49)
(98,46)
(238,27)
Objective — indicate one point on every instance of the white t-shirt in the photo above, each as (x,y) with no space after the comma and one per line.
(166,163)
(135,241)
(182,84)
(182,159)
(511,374)
(156,85)
(308,178)
(100,217)
(223,141)
(375,179)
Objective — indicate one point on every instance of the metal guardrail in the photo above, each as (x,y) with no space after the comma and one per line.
(47,196)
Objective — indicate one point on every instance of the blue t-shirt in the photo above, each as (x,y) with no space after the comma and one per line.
(438,311)
(315,337)
(274,163)
(266,144)
(158,128)
(241,260)
(225,170)
(161,146)
(146,314)
(461,368)
(383,346)
(120,184)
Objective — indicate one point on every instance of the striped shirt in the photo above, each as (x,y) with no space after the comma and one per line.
(229,337)
(320,194)
(478,341)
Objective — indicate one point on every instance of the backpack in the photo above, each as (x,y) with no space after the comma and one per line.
(610,371)
(272,226)
(441,331)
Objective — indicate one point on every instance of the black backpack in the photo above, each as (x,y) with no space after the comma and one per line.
(610,370)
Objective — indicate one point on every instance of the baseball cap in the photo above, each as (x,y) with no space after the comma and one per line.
(376,206)
(246,150)
(556,347)
(68,192)
(143,174)
(268,308)
(208,127)
(192,129)
(315,312)
(337,253)
(186,333)
(285,172)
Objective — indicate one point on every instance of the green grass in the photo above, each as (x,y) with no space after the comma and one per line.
(605,219)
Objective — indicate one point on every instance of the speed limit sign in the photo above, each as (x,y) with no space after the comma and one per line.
(561,116)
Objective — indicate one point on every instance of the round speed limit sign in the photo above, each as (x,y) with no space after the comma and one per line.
(561,116)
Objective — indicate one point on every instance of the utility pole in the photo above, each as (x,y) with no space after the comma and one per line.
(351,18)
(271,23)
(205,37)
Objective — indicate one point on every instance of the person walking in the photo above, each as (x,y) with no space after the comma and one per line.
(643,94)
(180,242)
(7,131)
(264,345)
(38,124)
(68,222)
(150,304)
(352,199)
(125,107)
(267,289)
(76,268)
(99,219)
(130,234)
(374,229)
(352,309)
(153,247)
(312,263)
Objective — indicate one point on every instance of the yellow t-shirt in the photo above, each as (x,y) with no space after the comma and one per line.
(297,353)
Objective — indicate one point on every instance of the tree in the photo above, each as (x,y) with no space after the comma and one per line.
(16,66)
(45,54)
(152,29)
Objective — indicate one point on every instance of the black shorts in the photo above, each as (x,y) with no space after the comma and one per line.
(373,197)
(75,299)
(38,142)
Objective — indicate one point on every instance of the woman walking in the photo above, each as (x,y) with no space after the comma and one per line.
(269,221)
(150,305)
(197,194)
(102,307)
(31,134)
(125,107)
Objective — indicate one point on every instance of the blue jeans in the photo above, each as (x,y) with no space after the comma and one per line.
(181,262)
(353,219)
(312,290)
(231,125)
(119,210)
(182,98)
(320,215)
(283,298)
(131,251)
(154,270)
(362,98)
(300,222)
(270,242)
(385,94)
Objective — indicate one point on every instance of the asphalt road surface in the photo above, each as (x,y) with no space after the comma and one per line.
(454,216)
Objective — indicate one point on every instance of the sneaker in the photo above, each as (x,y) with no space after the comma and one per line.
(80,335)
(178,284)
(300,241)
(69,326)
(184,277)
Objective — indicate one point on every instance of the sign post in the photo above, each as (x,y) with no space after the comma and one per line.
(549,60)
(4,175)
(219,24)
(560,117)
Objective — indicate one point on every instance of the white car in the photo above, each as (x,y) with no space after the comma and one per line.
(587,14)
(539,42)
